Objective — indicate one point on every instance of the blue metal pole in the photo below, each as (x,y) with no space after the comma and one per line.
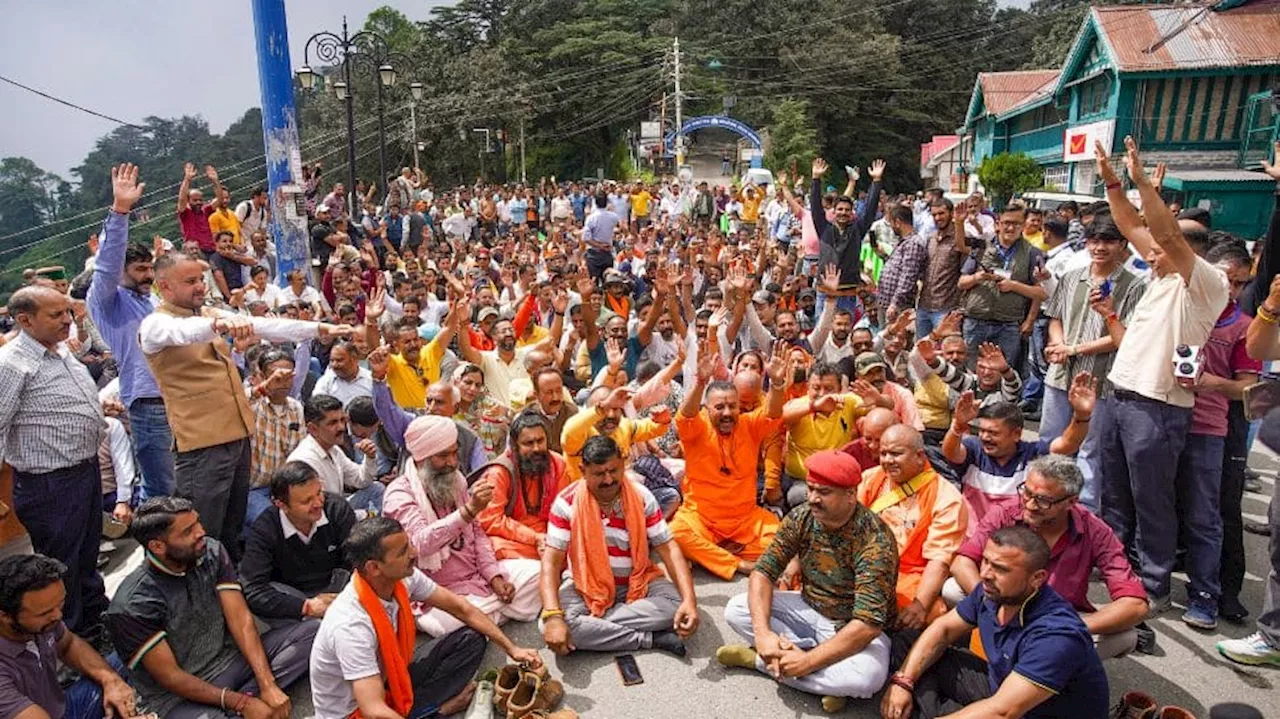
(280,138)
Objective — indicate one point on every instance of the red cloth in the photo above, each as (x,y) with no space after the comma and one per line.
(834,468)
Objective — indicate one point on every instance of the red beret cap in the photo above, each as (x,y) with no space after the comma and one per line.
(833,467)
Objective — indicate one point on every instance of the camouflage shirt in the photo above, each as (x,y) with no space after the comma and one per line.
(847,573)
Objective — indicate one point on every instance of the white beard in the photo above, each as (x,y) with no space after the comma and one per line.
(441,489)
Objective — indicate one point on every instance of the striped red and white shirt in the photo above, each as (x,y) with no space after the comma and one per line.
(616,538)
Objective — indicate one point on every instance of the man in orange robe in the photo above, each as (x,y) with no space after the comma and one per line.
(525,479)
(927,516)
(720,526)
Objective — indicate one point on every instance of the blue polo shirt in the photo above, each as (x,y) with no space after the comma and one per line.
(1048,645)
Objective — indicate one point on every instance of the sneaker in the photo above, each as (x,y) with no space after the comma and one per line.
(1230,609)
(736,655)
(1260,528)
(1135,705)
(1202,612)
(1253,650)
(1146,639)
(1158,606)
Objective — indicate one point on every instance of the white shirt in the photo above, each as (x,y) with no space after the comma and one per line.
(498,375)
(986,228)
(291,531)
(1171,312)
(309,295)
(335,470)
(346,648)
(344,390)
(159,330)
(270,295)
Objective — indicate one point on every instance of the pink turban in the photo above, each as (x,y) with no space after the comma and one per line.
(430,435)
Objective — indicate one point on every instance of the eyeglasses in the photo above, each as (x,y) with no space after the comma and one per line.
(1040,501)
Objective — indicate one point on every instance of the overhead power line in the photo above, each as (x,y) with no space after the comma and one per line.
(70,104)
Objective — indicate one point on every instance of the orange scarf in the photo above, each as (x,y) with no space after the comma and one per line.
(589,555)
(911,556)
(394,649)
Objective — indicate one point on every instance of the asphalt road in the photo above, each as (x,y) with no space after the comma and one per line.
(1185,671)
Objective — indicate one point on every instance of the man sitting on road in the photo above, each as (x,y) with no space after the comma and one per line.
(994,463)
(927,516)
(719,525)
(430,500)
(823,419)
(550,401)
(828,638)
(613,597)
(182,622)
(604,417)
(1047,666)
(525,479)
(871,427)
(293,565)
(364,658)
(1079,542)
(33,641)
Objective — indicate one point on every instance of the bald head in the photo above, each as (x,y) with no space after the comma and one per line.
(43,313)
(180,279)
(877,421)
(536,360)
(748,384)
(902,454)
(904,434)
(442,399)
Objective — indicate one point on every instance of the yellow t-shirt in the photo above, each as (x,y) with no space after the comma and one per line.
(816,432)
(640,203)
(225,221)
(1036,240)
(751,207)
(408,384)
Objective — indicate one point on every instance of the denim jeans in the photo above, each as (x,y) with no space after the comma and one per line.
(369,498)
(851,303)
(84,697)
(259,502)
(153,446)
(1036,366)
(1004,335)
(1199,490)
(927,320)
(1055,415)
(1141,440)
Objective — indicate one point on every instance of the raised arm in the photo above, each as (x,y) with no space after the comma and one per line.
(966,410)
(184,190)
(862,223)
(1123,212)
(816,212)
(212,174)
(109,263)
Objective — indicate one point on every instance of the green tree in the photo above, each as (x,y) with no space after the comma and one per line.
(1006,174)
(28,195)
(793,140)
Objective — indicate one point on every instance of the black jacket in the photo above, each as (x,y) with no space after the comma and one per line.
(269,557)
(842,249)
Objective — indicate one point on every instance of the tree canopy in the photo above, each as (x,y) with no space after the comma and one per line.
(852,82)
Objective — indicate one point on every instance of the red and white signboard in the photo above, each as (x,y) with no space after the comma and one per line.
(1078,141)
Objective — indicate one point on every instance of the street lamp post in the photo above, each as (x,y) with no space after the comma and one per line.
(371,50)
(485,149)
(416,89)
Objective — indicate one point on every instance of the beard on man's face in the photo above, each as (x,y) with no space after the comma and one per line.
(535,464)
(441,486)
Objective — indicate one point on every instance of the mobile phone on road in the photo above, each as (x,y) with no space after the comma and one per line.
(629,670)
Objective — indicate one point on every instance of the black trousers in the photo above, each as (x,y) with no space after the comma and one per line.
(216,480)
(62,511)
(597,262)
(442,668)
(1235,457)
(956,680)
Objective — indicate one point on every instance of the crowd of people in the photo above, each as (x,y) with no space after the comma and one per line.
(555,403)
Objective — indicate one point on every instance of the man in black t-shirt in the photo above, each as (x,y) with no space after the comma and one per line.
(182,624)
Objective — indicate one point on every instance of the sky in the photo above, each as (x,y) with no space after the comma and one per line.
(134,58)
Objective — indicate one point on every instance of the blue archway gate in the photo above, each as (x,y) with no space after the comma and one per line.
(722,122)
